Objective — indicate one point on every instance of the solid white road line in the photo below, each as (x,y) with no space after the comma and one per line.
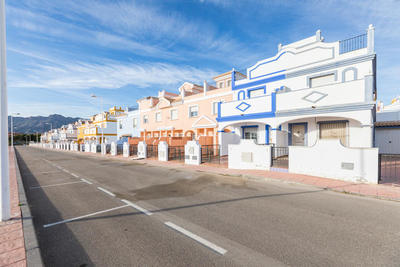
(35,187)
(106,191)
(84,216)
(197,238)
(86,181)
(137,207)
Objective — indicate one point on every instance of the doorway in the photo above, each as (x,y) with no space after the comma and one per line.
(298,134)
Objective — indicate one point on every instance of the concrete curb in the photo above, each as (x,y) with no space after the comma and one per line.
(33,257)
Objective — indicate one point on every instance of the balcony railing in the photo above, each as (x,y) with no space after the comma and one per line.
(354,43)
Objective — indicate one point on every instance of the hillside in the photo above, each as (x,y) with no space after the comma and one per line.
(39,123)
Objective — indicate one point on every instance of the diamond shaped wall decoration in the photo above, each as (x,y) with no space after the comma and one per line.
(314,96)
(243,106)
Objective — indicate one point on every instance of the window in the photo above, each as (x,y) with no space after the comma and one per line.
(334,130)
(145,119)
(134,122)
(255,93)
(158,116)
(193,111)
(221,84)
(174,114)
(322,80)
(120,125)
(229,83)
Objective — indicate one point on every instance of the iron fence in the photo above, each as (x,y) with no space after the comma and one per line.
(152,151)
(133,150)
(176,153)
(211,154)
(353,43)
(389,169)
(280,157)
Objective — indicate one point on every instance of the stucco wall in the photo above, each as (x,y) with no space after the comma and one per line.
(248,155)
(328,158)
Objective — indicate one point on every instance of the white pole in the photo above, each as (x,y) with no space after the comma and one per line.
(12,130)
(4,171)
(102,135)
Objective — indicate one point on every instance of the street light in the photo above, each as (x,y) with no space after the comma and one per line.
(12,127)
(4,167)
(101,112)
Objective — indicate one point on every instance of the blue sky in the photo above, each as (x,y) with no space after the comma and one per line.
(60,52)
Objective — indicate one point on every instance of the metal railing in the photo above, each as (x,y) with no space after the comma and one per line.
(212,154)
(133,149)
(176,153)
(152,151)
(354,43)
(280,157)
(389,169)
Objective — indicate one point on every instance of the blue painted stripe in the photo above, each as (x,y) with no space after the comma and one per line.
(247,116)
(259,82)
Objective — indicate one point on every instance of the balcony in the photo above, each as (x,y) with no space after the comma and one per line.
(328,95)
(331,95)
(352,44)
(252,108)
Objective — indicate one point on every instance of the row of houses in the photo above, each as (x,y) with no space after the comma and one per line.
(309,92)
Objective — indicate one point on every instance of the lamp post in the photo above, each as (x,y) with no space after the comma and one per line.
(4,168)
(101,112)
(12,127)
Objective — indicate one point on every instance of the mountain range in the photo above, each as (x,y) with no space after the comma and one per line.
(39,124)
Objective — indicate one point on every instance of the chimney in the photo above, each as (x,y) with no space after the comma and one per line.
(205,87)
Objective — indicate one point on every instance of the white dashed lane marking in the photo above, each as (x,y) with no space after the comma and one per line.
(51,185)
(197,238)
(106,191)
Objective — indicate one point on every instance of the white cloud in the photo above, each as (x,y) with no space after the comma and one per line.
(74,75)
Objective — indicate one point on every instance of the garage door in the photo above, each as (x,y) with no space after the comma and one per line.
(333,130)
(388,140)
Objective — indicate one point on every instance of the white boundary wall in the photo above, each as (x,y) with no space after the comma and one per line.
(163,151)
(125,151)
(247,155)
(192,153)
(329,158)
(113,150)
(142,150)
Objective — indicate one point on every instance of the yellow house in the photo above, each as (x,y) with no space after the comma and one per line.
(102,124)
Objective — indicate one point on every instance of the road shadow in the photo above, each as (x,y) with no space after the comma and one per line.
(58,246)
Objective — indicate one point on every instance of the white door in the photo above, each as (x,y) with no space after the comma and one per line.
(388,140)
(298,134)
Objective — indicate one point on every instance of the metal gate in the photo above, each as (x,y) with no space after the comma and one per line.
(210,153)
(389,169)
(176,153)
(152,151)
(280,157)
(132,150)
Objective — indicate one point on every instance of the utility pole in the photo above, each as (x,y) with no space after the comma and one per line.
(4,168)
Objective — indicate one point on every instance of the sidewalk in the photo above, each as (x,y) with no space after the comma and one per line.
(12,244)
(377,191)
(380,191)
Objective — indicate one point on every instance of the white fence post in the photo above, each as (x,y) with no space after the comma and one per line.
(142,150)
(192,153)
(125,152)
(113,149)
(93,148)
(163,151)
(103,149)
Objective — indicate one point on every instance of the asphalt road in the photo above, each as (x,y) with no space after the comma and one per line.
(175,217)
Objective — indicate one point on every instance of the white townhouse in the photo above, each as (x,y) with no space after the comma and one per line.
(128,124)
(68,133)
(309,90)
